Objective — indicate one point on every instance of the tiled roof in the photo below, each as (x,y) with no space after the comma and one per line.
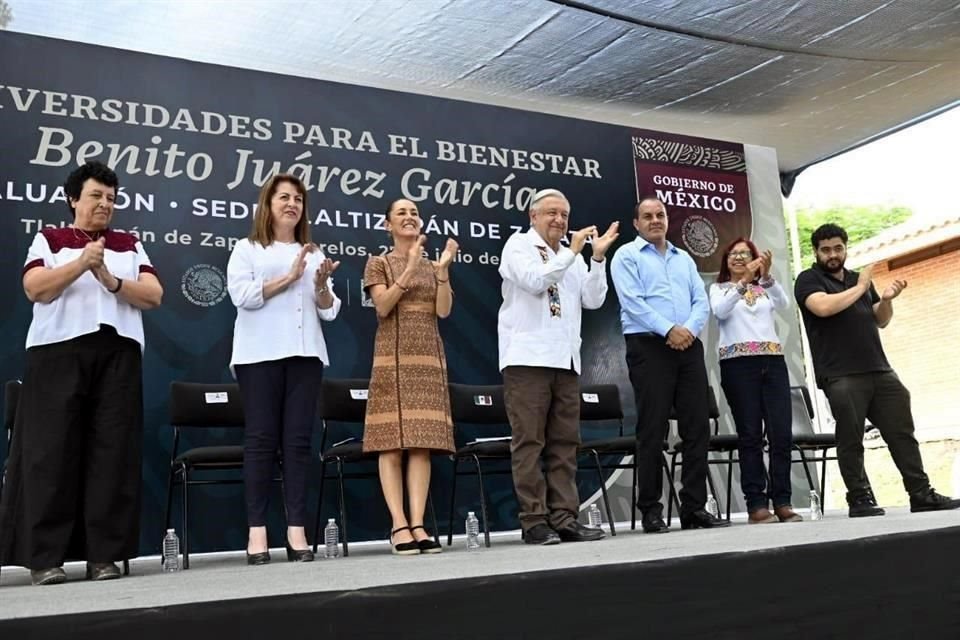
(907,237)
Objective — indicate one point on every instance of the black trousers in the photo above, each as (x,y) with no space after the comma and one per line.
(881,398)
(662,379)
(74,477)
(280,406)
(758,392)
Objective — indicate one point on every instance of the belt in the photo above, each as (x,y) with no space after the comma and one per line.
(643,334)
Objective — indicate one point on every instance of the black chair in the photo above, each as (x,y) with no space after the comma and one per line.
(344,400)
(481,405)
(806,440)
(724,443)
(600,404)
(11,398)
(199,406)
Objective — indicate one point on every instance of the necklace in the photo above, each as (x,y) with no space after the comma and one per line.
(96,235)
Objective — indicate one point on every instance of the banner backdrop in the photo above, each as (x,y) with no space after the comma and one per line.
(192,143)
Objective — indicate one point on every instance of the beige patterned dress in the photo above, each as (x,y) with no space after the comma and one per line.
(409,403)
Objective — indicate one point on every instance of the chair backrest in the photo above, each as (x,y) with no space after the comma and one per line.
(343,399)
(201,405)
(477,404)
(600,403)
(801,407)
(11,396)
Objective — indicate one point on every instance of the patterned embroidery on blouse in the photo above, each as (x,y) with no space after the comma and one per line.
(753,293)
(553,293)
(758,348)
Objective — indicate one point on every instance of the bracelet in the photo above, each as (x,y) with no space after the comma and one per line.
(322,290)
(117,288)
(402,288)
(439,281)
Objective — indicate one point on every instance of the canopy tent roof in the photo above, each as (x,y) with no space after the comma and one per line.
(809,78)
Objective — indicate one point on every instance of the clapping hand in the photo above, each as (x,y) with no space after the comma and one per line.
(602,243)
(449,253)
(893,289)
(322,275)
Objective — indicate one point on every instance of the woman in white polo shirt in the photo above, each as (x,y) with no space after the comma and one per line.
(73,482)
(753,374)
(280,283)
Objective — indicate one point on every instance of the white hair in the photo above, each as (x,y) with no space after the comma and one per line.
(545,193)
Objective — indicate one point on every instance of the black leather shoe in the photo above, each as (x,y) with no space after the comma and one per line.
(428,544)
(102,571)
(701,519)
(299,555)
(541,534)
(864,506)
(653,523)
(56,575)
(257,559)
(930,500)
(576,532)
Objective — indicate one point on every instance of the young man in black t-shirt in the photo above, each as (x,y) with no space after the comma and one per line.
(843,313)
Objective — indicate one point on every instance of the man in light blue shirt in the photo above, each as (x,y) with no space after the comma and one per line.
(663,308)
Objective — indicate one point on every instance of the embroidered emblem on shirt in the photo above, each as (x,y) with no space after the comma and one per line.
(553,293)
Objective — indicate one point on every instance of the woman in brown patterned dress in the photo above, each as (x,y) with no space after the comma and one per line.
(408,409)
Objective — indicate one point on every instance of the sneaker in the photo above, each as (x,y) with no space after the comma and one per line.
(930,500)
(864,506)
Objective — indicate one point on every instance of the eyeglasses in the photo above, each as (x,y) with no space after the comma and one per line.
(741,254)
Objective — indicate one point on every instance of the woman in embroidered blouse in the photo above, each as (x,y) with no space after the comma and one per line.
(754,376)
(280,283)
(409,406)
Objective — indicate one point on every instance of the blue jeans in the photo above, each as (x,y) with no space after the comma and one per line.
(758,392)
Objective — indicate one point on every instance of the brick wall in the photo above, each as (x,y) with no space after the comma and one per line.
(923,339)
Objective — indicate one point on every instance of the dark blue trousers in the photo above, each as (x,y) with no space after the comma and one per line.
(758,392)
(279,405)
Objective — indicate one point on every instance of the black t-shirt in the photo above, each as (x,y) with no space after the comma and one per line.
(847,342)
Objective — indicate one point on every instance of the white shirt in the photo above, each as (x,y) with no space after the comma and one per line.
(86,304)
(286,325)
(746,320)
(532,330)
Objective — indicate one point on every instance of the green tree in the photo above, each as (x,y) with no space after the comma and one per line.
(6,15)
(860,221)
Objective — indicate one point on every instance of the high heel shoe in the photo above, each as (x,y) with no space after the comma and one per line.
(257,559)
(428,545)
(404,548)
(299,555)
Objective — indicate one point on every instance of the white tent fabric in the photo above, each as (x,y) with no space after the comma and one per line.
(810,78)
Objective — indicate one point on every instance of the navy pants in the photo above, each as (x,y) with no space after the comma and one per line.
(279,405)
(758,392)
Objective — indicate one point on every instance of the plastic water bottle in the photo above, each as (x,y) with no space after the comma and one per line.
(712,507)
(331,540)
(816,509)
(473,531)
(593,514)
(171,552)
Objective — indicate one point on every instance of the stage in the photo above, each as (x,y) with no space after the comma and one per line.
(888,577)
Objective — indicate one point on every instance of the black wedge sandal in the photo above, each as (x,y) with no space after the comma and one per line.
(404,548)
(429,545)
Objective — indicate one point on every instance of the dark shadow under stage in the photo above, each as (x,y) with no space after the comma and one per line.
(891,577)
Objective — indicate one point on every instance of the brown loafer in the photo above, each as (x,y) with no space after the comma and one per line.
(761,516)
(102,571)
(787,514)
(55,575)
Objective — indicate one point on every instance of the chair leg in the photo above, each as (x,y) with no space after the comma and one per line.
(316,524)
(483,503)
(433,516)
(729,482)
(806,470)
(126,567)
(343,509)
(453,500)
(603,490)
(823,476)
(633,496)
(671,472)
(185,477)
(167,514)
